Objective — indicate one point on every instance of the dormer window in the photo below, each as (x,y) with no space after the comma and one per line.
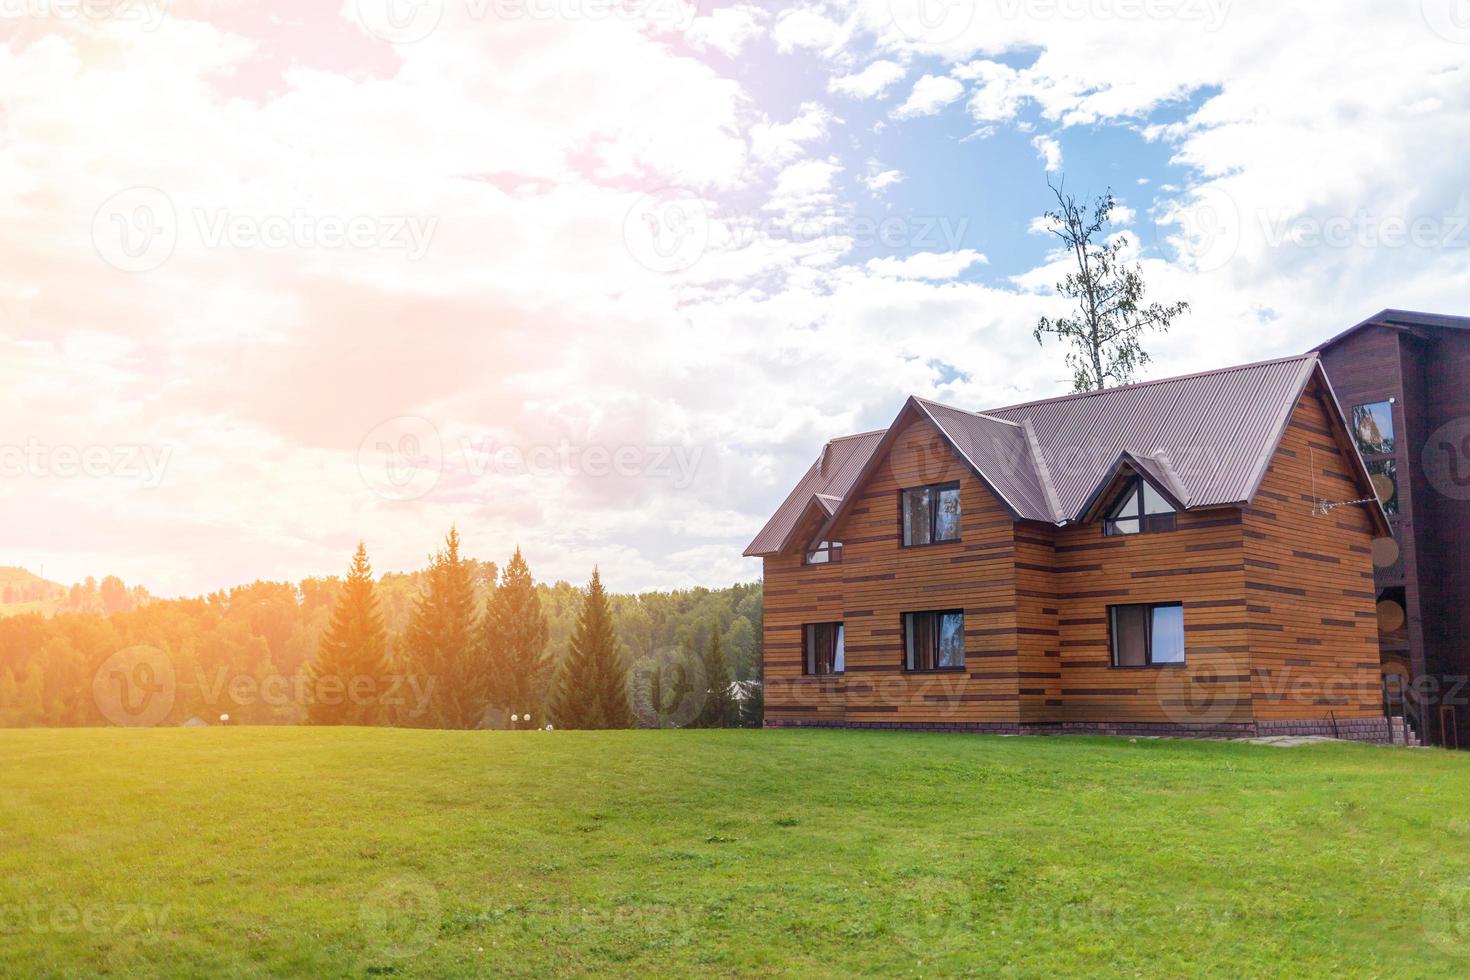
(1141,509)
(825,553)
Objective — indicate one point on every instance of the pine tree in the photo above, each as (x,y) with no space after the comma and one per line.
(719,705)
(593,692)
(514,639)
(351,666)
(441,647)
(753,705)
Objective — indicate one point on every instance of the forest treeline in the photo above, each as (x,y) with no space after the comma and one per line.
(461,643)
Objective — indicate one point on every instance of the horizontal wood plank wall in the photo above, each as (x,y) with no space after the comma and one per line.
(1200,564)
(1309,580)
(1039,638)
(878,581)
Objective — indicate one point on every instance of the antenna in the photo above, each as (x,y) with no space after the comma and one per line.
(1322,506)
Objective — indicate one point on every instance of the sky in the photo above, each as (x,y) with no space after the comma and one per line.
(598,278)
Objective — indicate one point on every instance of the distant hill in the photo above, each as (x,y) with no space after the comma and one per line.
(23,592)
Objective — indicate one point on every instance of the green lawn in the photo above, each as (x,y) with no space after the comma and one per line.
(369,852)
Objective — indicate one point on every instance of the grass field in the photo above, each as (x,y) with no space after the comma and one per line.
(369,852)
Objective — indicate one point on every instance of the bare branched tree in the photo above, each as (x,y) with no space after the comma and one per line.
(1105,332)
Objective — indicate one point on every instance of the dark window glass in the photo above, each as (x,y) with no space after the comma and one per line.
(1385,474)
(824,553)
(1141,508)
(1147,635)
(931,514)
(822,651)
(934,640)
(1373,427)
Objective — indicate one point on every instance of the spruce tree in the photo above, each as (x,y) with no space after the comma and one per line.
(753,705)
(350,673)
(441,645)
(593,689)
(719,705)
(514,639)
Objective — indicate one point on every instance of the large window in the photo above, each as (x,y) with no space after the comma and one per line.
(1141,508)
(931,514)
(1147,636)
(934,640)
(821,648)
(825,552)
(1373,427)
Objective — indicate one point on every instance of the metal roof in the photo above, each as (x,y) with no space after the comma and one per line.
(1205,438)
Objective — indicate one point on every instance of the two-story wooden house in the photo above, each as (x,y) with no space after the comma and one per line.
(1154,559)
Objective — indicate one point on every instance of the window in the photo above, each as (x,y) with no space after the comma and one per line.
(934,640)
(825,552)
(821,648)
(1373,427)
(1385,476)
(1141,508)
(1147,636)
(931,514)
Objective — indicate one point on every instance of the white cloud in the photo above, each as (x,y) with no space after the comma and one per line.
(872,82)
(930,94)
(728,29)
(1050,152)
(926,265)
(877,180)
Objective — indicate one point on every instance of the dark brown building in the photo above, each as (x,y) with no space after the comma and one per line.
(1403,380)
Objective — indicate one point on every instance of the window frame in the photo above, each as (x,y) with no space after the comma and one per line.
(1393,443)
(1148,647)
(932,491)
(1137,484)
(806,629)
(833,550)
(904,627)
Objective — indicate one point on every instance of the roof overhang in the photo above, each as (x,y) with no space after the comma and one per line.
(1403,320)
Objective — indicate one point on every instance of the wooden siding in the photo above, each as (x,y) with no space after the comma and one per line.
(877,581)
(1036,601)
(1309,580)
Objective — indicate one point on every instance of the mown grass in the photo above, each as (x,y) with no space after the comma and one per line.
(370,852)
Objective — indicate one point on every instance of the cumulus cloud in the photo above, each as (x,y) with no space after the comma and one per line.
(870,83)
(930,94)
(927,265)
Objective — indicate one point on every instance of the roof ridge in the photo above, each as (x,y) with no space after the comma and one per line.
(857,435)
(965,411)
(1310,355)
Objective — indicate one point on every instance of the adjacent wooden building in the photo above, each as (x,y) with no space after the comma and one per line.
(1192,555)
(1404,380)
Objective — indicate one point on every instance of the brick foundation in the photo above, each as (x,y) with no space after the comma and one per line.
(1374,730)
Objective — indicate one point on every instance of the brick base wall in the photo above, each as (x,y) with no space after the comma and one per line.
(1374,730)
